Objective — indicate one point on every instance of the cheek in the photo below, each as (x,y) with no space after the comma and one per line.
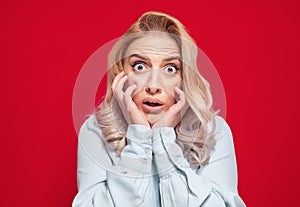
(171,101)
(170,84)
(137,80)
(137,99)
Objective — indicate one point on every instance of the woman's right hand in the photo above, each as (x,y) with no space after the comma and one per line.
(124,99)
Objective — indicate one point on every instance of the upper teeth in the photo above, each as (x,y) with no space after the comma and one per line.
(152,103)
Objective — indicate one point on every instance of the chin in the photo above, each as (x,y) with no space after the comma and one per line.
(154,117)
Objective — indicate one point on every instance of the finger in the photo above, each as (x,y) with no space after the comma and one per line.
(120,85)
(129,91)
(119,89)
(116,80)
(182,101)
(127,95)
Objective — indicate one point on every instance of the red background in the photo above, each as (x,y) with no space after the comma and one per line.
(43,45)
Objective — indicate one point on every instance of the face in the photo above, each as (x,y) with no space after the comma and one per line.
(152,62)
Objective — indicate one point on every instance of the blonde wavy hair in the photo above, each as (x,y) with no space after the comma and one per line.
(195,131)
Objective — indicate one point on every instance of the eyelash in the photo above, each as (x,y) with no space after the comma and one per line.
(174,65)
(143,63)
(137,62)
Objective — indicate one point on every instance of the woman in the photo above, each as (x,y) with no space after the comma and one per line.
(154,140)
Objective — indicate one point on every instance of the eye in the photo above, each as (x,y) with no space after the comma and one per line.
(171,69)
(138,66)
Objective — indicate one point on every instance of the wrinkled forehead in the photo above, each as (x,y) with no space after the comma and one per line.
(156,43)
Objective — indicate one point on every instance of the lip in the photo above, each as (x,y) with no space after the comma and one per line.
(152,109)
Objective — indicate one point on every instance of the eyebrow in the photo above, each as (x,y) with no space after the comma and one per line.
(148,59)
(139,56)
(172,58)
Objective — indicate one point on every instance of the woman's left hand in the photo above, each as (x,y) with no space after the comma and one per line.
(175,113)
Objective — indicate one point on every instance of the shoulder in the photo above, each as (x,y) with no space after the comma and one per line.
(90,125)
(222,129)
(224,139)
(92,144)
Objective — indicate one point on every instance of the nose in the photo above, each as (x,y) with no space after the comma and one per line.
(153,89)
(154,82)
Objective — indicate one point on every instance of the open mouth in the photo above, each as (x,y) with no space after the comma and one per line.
(152,104)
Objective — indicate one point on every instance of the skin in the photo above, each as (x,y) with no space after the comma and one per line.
(152,73)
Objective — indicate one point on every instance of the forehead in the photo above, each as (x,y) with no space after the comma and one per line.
(159,44)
